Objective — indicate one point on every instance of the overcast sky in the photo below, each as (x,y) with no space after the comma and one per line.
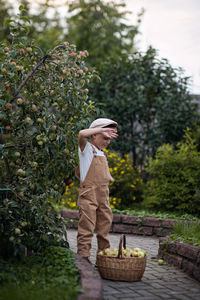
(173,28)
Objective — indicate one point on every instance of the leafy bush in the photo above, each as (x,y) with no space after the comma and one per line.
(125,191)
(128,183)
(175,183)
(52,275)
(43,97)
(28,225)
(196,135)
(70,196)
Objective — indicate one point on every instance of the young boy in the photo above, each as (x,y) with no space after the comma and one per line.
(93,201)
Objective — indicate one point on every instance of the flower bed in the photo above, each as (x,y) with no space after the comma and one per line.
(182,255)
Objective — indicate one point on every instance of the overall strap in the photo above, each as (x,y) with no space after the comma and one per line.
(93,150)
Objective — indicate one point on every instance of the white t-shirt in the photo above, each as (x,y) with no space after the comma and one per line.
(85,159)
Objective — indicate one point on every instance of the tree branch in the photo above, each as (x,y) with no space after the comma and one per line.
(35,69)
(5,158)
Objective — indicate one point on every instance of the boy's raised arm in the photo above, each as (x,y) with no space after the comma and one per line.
(85,133)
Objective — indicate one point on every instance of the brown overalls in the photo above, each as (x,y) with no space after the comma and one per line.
(94,207)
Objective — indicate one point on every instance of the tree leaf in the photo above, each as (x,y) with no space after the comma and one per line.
(8,21)
(25,18)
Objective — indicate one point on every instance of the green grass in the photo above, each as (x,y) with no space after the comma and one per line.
(156,214)
(49,276)
(187,233)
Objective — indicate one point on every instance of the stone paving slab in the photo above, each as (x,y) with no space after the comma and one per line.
(158,281)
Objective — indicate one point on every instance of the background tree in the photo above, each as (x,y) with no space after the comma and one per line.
(5,12)
(148,98)
(45,27)
(101,28)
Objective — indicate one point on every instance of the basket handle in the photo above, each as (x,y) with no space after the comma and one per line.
(122,239)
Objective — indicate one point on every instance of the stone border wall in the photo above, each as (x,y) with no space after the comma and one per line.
(182,255)
(90,280)
(130,224)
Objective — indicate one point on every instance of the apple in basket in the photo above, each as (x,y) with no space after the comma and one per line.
(136,252)
(114,252)
(107,252)
(127,253)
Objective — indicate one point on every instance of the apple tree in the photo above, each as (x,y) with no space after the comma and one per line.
(43,104)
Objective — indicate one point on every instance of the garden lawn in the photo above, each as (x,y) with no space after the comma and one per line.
(48,276)
(186,233)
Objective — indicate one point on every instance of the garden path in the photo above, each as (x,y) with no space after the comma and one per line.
(158,281)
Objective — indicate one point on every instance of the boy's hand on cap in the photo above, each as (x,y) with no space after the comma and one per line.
(110,133)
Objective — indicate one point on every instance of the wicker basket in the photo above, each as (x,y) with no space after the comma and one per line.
(121,268)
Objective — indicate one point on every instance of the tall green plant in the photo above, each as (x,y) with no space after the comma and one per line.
(175,182)
(43,105)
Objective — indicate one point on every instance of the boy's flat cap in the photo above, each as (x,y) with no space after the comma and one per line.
(102,122)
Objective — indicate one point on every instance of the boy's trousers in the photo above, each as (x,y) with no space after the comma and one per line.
(94,208)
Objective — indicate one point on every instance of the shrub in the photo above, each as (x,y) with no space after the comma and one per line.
(50,275)
(43,97)
(70,196)
(29,225)
(128,183)
(125,191)
(175,183)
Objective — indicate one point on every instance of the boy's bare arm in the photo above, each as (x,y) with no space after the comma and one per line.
(85,133)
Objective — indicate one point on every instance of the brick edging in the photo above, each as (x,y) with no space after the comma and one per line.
(182,255)
(130,224)
(90,280)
